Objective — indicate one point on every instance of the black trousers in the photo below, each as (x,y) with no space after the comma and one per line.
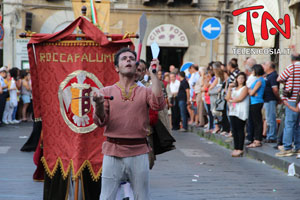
(238,133)
(256,117)
(33,140)
(225,123)
(210,117)
(175,114)
(56,188)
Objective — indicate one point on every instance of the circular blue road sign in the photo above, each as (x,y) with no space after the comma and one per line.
(211,28)
(185,68)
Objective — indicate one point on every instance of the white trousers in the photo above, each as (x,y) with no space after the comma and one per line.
(8,111)
(116,170)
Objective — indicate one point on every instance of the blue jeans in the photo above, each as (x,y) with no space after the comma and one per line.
(291,129)
(270,108)
(210,116)
(14,113)
(183,113)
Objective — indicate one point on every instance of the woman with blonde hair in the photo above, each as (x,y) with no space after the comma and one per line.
(214,90)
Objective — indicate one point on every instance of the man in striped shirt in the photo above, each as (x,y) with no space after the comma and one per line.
(291,77)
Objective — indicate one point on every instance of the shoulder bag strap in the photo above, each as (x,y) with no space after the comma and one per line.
(293,79)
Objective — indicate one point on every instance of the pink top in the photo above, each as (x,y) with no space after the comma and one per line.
(127,116)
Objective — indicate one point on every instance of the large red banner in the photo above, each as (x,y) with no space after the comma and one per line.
(63,69)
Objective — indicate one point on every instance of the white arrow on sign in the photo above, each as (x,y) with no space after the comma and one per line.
(208,28)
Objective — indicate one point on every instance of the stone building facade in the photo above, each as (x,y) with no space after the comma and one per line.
(174,24)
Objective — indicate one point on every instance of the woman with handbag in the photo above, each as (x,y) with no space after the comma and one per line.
(238,101)
(213,91)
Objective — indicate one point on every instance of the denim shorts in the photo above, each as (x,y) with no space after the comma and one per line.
(25,98)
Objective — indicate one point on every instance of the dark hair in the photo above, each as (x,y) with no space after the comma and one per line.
(144,62)
(295,57)
(23,73)
(182,74)
(258,70)
(273,65)
(240,74)
(232,64)
(210,64)
(14,73)
(123,50)
(235,61)
(194,66)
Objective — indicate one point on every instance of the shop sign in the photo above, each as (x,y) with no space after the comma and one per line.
(168,35)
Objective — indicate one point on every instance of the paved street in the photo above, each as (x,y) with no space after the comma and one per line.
(198,169)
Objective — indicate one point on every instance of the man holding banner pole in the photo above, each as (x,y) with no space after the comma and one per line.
(126,121)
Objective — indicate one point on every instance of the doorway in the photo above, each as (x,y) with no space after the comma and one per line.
(168,56)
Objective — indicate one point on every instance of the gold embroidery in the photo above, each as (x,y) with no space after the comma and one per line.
(126,96)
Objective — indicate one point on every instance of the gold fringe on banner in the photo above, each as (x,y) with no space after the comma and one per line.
(65,173)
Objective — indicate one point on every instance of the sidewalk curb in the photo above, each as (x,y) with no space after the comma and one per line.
(265,154)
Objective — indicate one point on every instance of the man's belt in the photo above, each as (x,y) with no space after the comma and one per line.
(127,141)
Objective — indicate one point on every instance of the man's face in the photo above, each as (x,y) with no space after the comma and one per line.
(3,74)
(229,68)
(159,75)
(171,68)
(266,66)
(127,64)
(140,71)
(172,77)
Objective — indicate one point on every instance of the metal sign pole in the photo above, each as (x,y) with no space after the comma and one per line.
(211,50)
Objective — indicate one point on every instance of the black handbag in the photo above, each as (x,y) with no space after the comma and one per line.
(289,93)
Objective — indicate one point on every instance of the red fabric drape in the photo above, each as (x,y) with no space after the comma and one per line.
(56,66)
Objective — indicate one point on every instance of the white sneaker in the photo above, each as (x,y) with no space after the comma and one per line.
(5,122)
(298,156)
(16,121)
(10,122)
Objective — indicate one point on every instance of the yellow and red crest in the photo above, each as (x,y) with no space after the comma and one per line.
(75,101)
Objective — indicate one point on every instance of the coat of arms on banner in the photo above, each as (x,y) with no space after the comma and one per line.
(77,111)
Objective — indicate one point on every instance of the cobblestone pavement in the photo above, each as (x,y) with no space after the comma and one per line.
(198,169)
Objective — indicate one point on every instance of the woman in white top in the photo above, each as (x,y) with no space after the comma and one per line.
(238,101)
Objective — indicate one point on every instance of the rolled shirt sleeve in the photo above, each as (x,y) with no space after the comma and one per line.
(155,102)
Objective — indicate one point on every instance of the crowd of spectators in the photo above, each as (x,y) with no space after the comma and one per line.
(15,96)
(242,102)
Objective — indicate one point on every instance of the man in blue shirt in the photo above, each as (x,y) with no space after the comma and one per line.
(271,98)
